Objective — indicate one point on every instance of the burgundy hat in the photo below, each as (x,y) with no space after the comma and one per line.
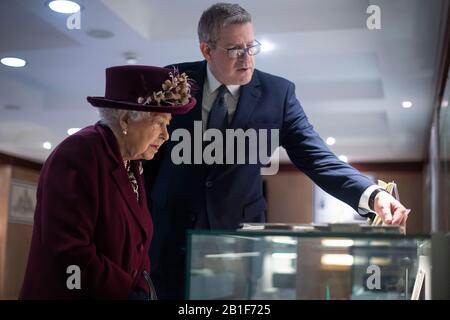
(146,88)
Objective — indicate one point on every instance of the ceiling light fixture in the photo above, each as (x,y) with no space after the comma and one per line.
(64,6)
(13,62)
(130,57)
(406,104)
(100,33)
(11,107)
(331,141)
(47,145)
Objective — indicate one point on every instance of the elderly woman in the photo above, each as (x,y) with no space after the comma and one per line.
(92,229)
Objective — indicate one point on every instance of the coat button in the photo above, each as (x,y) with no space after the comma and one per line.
(134,273)
(208,184)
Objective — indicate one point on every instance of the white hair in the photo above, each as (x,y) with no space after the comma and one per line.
(111,117)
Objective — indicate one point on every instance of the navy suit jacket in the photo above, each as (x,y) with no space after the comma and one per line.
(223,196)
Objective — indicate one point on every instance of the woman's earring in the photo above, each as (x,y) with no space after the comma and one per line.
(124,131)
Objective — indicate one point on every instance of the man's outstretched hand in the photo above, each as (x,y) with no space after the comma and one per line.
(390,210)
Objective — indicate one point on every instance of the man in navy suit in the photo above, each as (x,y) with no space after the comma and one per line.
(221,196)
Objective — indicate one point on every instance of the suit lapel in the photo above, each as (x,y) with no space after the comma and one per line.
(249,96)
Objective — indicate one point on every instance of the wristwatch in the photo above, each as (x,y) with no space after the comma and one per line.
(372,197)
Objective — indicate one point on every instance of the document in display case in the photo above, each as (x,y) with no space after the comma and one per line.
(270,263)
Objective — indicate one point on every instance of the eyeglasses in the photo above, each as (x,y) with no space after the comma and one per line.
(252,50)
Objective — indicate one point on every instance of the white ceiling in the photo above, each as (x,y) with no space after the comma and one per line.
(350,80)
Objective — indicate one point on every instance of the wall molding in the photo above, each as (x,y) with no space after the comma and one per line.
(7,159)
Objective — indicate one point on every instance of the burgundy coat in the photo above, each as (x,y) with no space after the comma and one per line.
(87,215)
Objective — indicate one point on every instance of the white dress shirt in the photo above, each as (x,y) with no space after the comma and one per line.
(364,200)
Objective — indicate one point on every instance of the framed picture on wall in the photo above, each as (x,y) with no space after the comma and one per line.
(22,201)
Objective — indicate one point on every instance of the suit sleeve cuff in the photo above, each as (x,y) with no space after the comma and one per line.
(364,200)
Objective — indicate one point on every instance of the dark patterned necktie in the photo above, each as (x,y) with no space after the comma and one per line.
(218,116)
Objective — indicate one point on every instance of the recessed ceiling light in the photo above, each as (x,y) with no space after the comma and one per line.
(100,33)
(64,6)
(331,141)
(266,46)
(47,145)
(13,62)
(343,158)
(444,103)
(72,131)
(406,104)
(130,57)
(131,61)
(11,107)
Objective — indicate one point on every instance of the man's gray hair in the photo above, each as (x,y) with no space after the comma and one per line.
(111,117)
(218,16)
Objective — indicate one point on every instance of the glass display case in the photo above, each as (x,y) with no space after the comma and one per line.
(307,265)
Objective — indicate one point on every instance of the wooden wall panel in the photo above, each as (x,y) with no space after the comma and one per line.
(5,178)
(289,197)
(15,237)
(18,240)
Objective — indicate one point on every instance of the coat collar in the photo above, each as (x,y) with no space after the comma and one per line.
(212,84)
(250,94)
(120,177)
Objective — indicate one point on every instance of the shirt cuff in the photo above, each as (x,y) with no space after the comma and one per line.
(364,200)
